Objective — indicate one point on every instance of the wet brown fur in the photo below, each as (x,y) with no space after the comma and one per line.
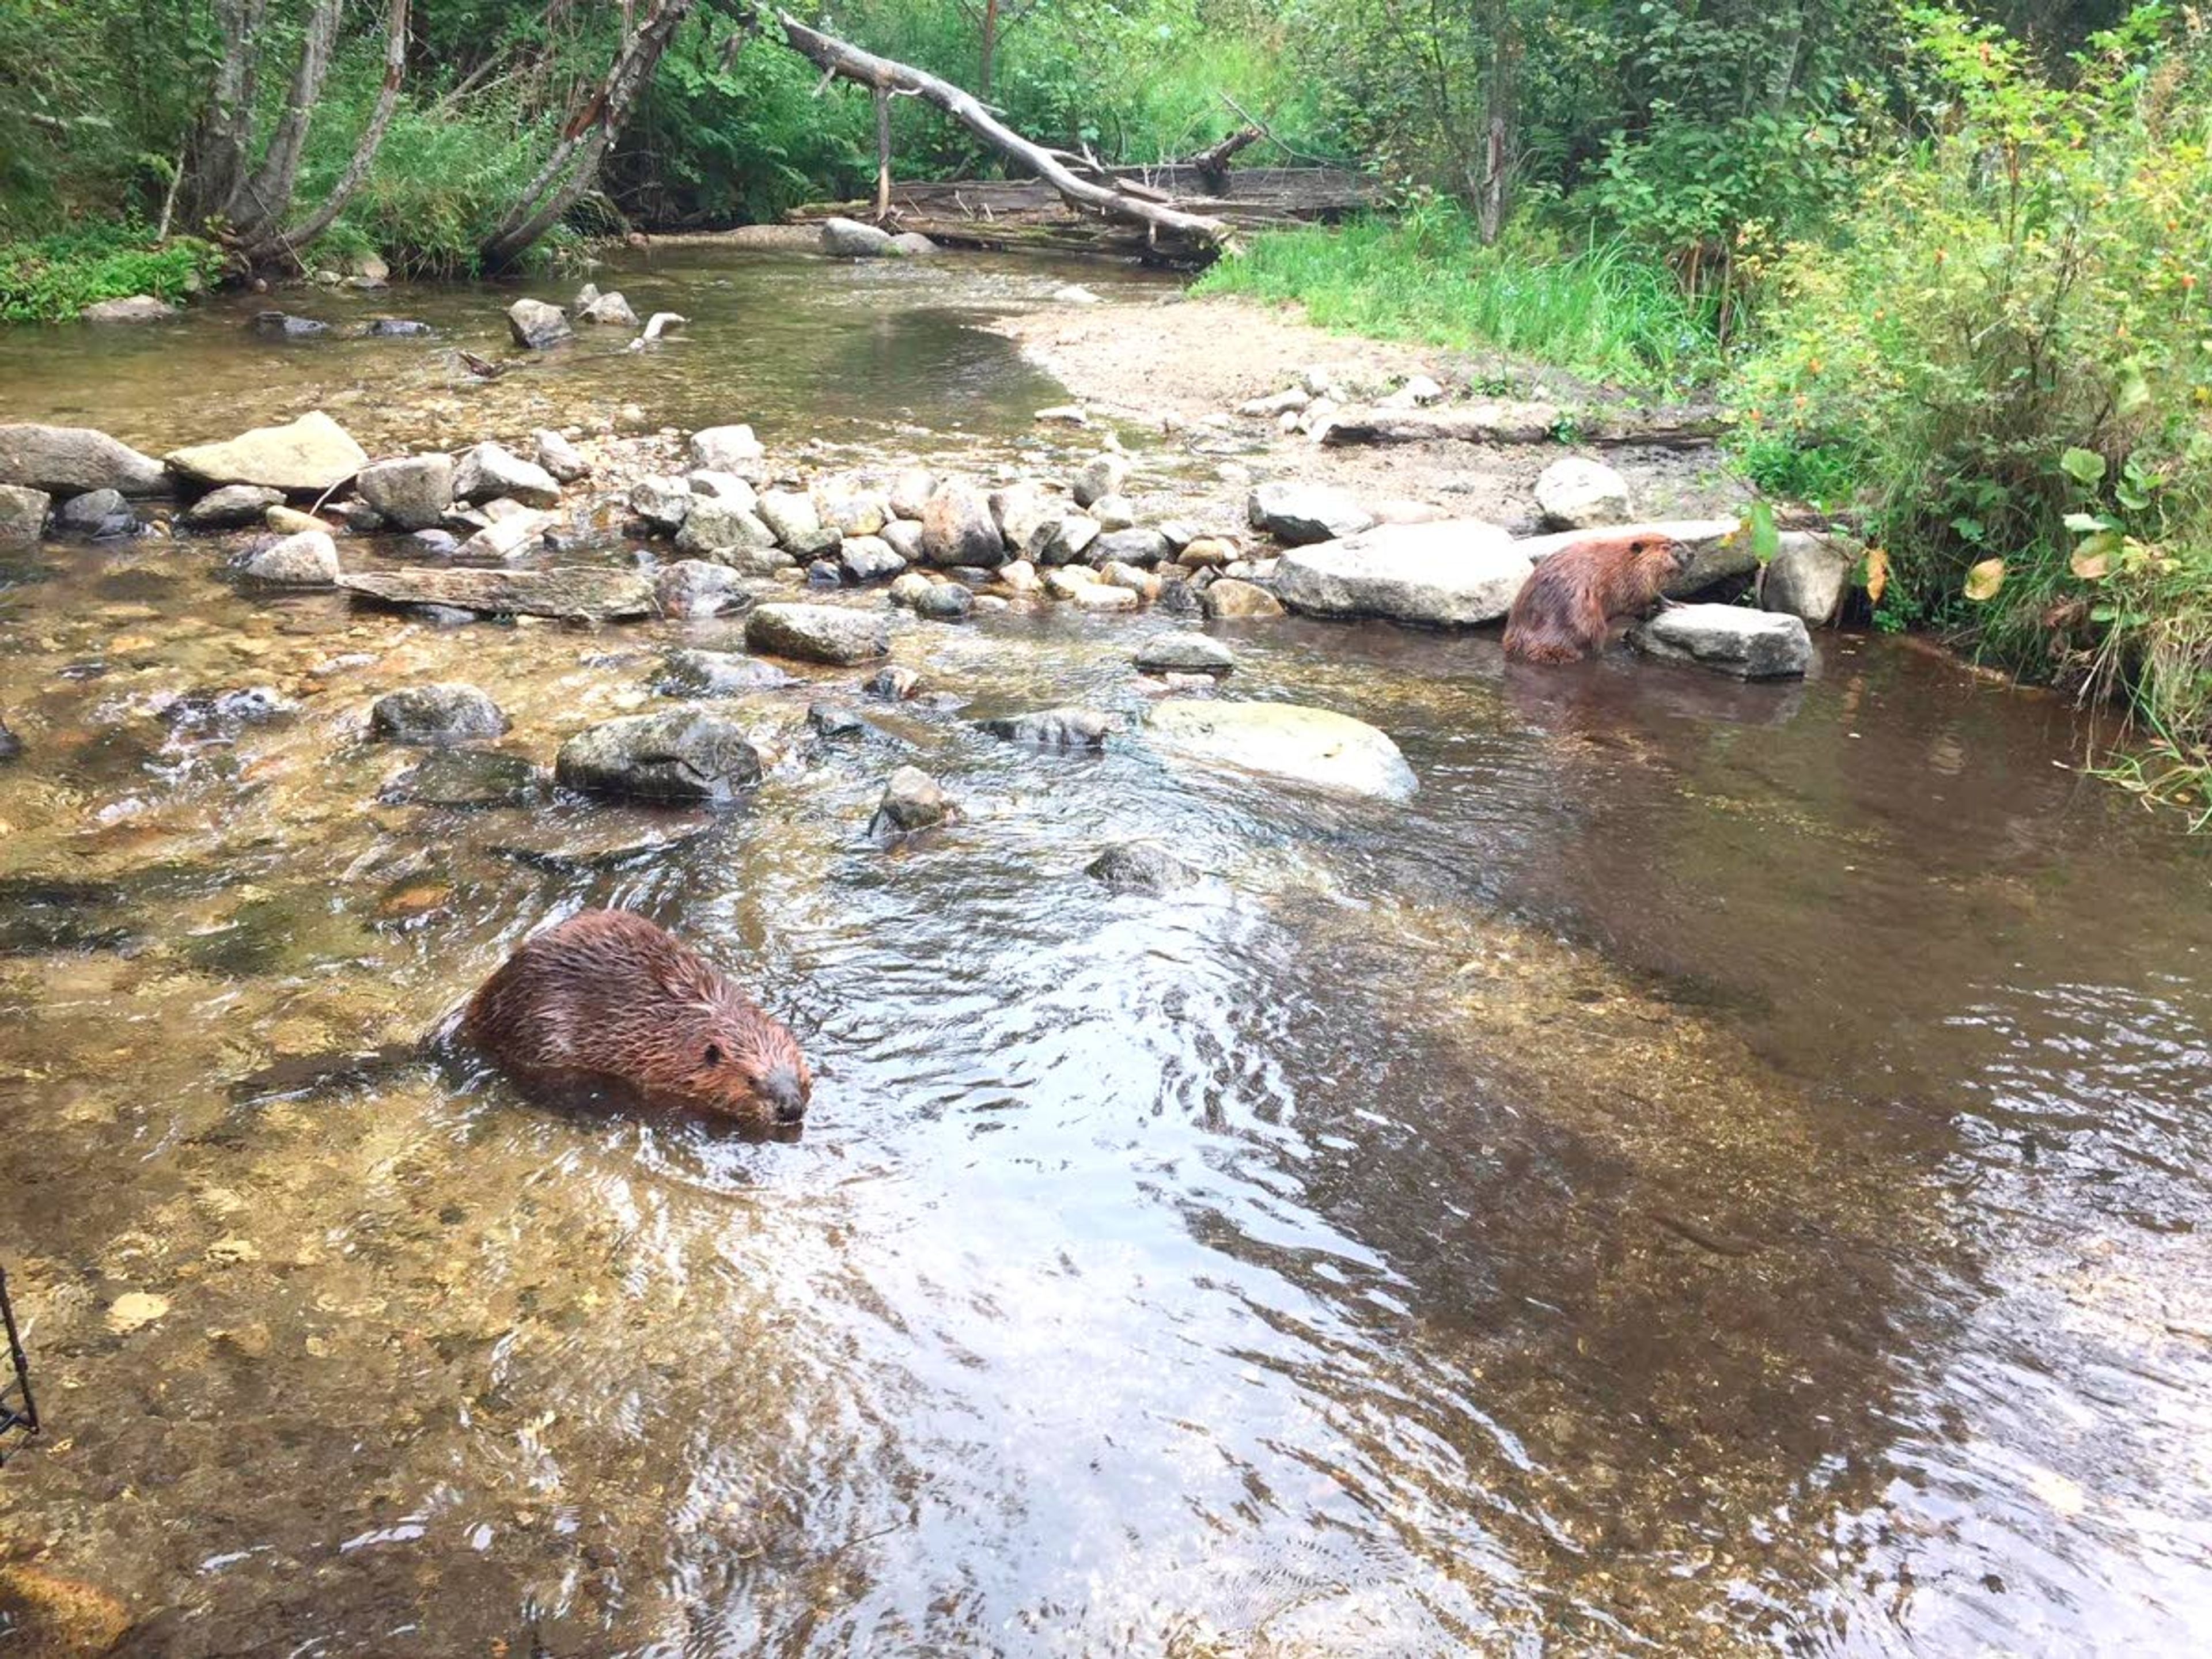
(1566,609)
(607,996)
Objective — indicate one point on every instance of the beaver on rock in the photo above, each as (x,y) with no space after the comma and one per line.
(1565,610)
(608,997)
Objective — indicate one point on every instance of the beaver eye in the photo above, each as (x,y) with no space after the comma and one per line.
(713,1056)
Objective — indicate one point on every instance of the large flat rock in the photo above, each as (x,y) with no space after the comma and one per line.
(1285,740)
(1452,574)
(1751,644)
(582,591)
(1719,548)
(303,457)
(68,460)
(819,633)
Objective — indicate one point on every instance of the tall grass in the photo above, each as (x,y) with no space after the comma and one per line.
(1598,310)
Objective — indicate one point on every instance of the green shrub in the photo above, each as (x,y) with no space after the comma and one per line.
(2008,353)
(1596,309)
(54,277)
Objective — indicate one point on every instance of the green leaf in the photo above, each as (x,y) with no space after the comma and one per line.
(2085,466)
(1766,538)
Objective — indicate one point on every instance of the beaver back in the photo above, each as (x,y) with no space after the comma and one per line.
(607,995)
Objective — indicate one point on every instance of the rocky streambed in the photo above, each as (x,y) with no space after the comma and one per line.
(1323,1140)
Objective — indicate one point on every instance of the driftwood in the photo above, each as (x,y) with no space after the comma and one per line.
(1161,221)
(1510,422)
(582,591)
(1026,213)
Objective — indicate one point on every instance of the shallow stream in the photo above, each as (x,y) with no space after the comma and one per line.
(1726,1170)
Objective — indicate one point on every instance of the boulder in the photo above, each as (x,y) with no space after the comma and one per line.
(593,593)
(908,590)
(1183,653)
(682,755)
(834,719)
(727,449)
(714,527)
(305,456)
(1114,512)
(904,536)
(657,325)
(698,587)
(465,779)
(1018,510)
(535,325)
(23,514)
(1021,576)
(1063,540)
(913,245)
(611,308)
(137,308)
(848,239)
(1065,581)
(1137,579)
(1104,596)
(869,558)
(557,457)
(67,460)
(1452,575)
(893,684)
(724,487)
(413,492)
(912,800)
(307,560)
(231,508)
(911,492)
(1136,868)
(1751,644)
(1298,513)
(1144,548)
(282,325)
(1808,578)
(435,715)
(958,528)
(1575,493)
(1285,740)
(796,523)
(290,521)
(1054,728)
(507,537)
(1100,477)
(854,510)
(394,328)
(490,471)
(717,674)
(819,632)
(664,503)
(1206,553)
(947,602)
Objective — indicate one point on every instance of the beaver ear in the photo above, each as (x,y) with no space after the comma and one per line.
(713,1055)
(1639,546)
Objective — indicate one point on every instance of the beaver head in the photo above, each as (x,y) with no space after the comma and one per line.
(1662,556)
(709,1046)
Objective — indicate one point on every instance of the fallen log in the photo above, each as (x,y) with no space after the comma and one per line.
(585,591)
(844,61)
(1508,421)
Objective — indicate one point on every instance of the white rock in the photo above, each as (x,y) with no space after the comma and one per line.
(1576,493)
(1751,644)
(1451,574)
(1316,746)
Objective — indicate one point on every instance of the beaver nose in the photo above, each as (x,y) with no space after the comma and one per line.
(780,1088)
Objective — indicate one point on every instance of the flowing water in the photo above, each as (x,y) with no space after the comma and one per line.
(1724,1171)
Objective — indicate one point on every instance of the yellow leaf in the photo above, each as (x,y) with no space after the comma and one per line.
(1877,576)
(2090,567)
(1984,581)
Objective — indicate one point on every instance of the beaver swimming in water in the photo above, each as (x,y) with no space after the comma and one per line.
(607,996)
(1565,610)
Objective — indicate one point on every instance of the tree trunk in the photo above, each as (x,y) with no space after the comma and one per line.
(364,155)
(584,144)
(226,125)
(849,63)
(266,197)
(883,154)
(990,52)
